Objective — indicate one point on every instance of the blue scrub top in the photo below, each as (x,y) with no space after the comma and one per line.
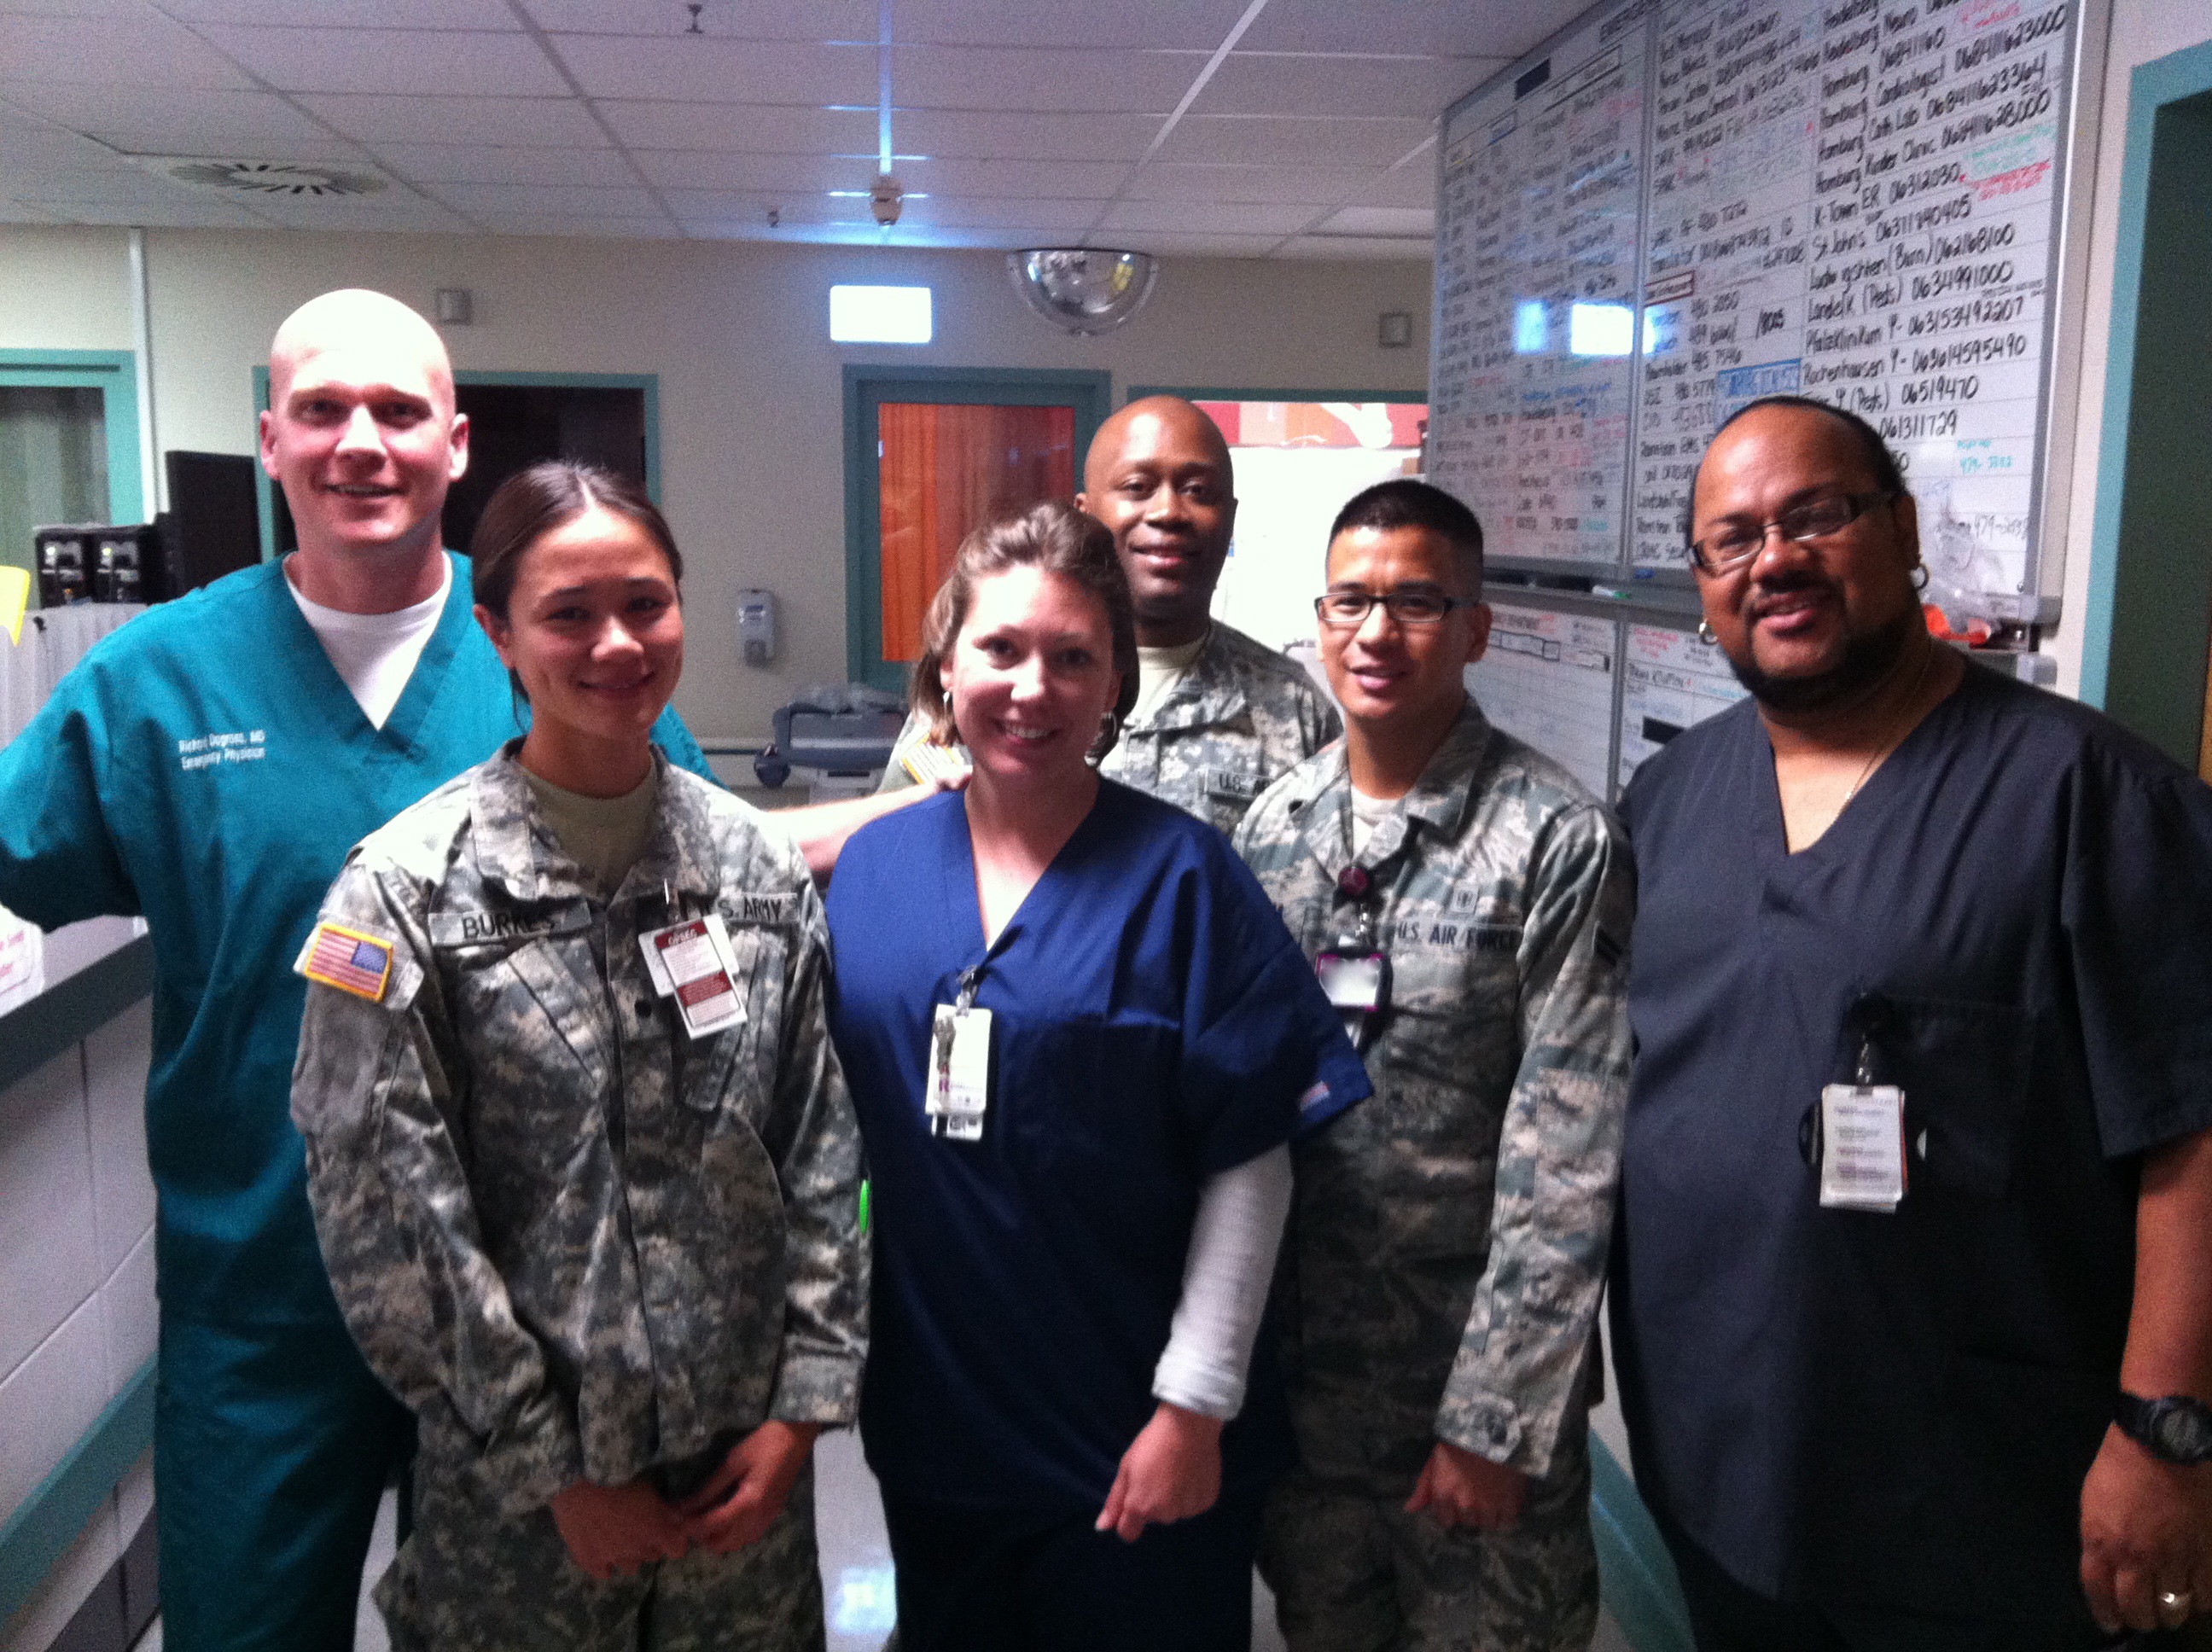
(1153,1022)
(2015,915)
(206,767)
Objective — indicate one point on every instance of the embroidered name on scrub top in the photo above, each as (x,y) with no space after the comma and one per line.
(347,960)
(207,751)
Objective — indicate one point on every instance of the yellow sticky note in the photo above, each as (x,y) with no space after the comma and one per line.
(15,598)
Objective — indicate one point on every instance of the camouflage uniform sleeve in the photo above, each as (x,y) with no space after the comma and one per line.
(1318,718)
(815,1138)
(895,779)
(1518,1380)
(374,1092)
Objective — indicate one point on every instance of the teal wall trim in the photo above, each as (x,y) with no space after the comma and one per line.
(1636,1573)
(2160,171)
(114,374)
(1269,393)
(647,382)
(40,1532)
(1090,393)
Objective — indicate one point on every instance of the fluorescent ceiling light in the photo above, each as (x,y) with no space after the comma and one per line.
(879,315)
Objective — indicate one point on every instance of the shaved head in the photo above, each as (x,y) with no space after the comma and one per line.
(1170,417)
(1159,476)
(358,321)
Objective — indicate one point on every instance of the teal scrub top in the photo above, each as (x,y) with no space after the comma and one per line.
(205,767)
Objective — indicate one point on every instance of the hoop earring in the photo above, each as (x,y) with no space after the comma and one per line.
(1921,569)
(1707,635)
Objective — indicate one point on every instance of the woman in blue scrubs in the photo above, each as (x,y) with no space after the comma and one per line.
(1079,1039)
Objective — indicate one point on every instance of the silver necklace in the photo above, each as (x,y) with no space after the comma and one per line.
(1897,729)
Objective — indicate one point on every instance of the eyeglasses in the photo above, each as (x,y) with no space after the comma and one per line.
(1415,607)
(1725,547)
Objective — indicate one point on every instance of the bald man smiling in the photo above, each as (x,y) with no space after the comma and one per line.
(209,766)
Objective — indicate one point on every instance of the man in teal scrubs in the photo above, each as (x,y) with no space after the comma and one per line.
(208,766)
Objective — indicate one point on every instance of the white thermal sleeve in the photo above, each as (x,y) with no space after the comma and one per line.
(1233,1240)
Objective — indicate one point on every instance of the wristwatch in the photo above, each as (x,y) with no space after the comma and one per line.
(2177,1429)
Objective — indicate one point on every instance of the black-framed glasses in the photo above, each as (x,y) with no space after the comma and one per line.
(1816,519)
(1414,607)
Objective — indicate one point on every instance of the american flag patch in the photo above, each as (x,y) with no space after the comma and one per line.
(350,961)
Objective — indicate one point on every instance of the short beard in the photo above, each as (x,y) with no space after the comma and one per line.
(1868,659)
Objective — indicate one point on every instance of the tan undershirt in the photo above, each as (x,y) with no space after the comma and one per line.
(605,836)
(1158,671)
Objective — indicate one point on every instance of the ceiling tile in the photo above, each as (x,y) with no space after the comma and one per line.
(186,212)
(1356,246)
(1005,78)
(1208,246)
(1167,181)
(1380,221)
(149,120)
(689,171)
(1209,217)
(348,13)
(21,212)
(74,9)
(1096,180)
(407,62)
(484,163)
(133,187)
(710,71)
(538,200)
(1320,139)
(817,19)
(1056,216)
(1412,185)
(111,52)
(408,213)
(1189,25)
(1470,29)
(1252,83)
(528,224)
(937,133)
(739,127)
(558,122)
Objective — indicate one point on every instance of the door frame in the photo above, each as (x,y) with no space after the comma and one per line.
(866,387)
(648,382)
(2149,623)
(114,374)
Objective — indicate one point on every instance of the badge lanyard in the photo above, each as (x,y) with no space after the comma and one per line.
(957,1083)
(1355,971)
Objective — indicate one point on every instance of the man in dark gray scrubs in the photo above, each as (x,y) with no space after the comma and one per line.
(1911,1319)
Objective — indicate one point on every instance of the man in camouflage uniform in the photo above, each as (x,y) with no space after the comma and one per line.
(1218,716)
(581,1244)
(1447,1243)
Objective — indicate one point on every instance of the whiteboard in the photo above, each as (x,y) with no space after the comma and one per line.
(1669,682)
(1847,200)
(1548,678)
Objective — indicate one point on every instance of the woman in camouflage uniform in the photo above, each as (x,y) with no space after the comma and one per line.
(582,1161)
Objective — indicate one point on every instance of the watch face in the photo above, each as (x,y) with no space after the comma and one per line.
(2183,1429)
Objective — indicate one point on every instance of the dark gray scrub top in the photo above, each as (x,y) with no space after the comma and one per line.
(2017,909)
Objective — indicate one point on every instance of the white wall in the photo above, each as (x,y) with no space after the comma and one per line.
(751,407)
(2142,31)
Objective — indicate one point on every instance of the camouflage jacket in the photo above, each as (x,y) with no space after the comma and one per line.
(577,1242)
(1241,716)
(1448,1240)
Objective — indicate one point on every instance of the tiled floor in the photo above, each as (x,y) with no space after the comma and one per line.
(856,1566)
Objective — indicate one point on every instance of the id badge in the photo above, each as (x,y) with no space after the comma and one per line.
(1862,1147)
(1355,981)
(692,963)
(957,1087)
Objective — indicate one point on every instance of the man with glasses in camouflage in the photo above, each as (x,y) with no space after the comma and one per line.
(1468,904)
(1909,1306)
